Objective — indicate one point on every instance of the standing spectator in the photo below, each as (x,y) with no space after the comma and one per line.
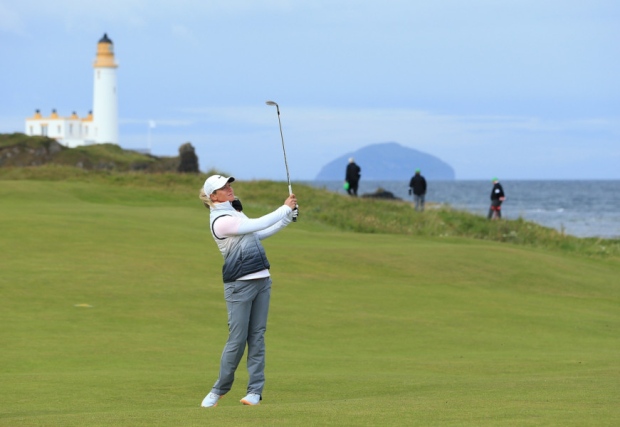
(352,177)
(417,187)
(497,197)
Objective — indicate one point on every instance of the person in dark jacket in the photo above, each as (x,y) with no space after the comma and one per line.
(352,177)
(497,197)
(417,187)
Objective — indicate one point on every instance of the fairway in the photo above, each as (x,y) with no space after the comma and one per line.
(112,314)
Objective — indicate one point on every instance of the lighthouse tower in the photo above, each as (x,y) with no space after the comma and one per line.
(105,101)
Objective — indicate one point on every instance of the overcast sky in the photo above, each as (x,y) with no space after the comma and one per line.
(519,89)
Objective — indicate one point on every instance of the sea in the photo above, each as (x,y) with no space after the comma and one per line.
(579,208)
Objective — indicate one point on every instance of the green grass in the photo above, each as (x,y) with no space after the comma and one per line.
(327,210)
(368,328)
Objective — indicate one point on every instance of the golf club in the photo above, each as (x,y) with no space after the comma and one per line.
(288,177)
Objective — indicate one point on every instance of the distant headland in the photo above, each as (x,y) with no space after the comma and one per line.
(388,161)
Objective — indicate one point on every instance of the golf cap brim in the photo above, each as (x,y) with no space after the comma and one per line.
(215,182)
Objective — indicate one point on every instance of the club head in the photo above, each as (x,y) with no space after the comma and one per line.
(271,103)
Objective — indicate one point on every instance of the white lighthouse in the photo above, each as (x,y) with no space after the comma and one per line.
(99,125)
(105,100)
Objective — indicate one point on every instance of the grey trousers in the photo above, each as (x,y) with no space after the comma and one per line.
(247,302)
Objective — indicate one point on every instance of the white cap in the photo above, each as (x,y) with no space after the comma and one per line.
(215,182)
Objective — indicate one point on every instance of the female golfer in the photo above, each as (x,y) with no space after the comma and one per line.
(247,284)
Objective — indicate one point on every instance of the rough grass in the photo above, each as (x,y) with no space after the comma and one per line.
(329,210)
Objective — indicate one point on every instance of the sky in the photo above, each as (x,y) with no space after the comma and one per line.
(518,89)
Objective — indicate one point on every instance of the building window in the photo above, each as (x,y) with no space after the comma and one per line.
(70,130)
(44,130)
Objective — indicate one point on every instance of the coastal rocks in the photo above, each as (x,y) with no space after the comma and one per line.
(27,155)
(380,193)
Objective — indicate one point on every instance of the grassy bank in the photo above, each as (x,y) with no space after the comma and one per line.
(112,314)
(326,210)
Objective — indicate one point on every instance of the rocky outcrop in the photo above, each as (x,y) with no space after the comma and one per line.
(30,155)
(380,193)
(19,150)
(188,162)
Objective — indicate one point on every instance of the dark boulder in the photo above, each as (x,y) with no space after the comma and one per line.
(380,193)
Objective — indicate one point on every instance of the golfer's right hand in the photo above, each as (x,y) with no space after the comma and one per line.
(291,201)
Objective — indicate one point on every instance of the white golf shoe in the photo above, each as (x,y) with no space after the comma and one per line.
(210,400)
(251,399)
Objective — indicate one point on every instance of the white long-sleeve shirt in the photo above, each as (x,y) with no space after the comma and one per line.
(236,236)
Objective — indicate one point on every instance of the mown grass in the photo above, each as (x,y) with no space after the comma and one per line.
(112,314)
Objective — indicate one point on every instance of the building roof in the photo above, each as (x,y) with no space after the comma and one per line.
(105,39)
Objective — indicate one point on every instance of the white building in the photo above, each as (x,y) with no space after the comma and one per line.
(100,125)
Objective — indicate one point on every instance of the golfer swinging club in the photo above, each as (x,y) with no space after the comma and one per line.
(247,283)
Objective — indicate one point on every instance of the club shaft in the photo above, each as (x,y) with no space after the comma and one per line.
(288,176)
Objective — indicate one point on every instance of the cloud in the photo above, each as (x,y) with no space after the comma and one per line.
(469,82)
(73,15)
(160,123)
(475,145)
(183,33)
(10,21)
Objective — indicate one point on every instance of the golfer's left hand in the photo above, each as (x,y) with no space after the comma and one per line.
(291,201)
